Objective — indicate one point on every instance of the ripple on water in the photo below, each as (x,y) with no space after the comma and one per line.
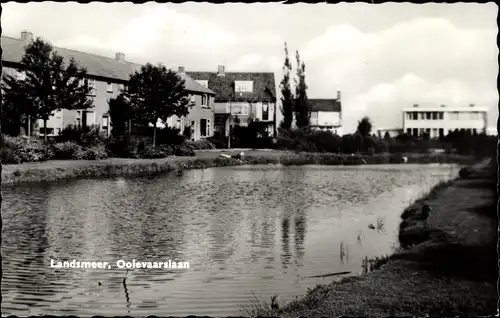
(244,230)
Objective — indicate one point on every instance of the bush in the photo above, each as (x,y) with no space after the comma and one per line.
(151,152)
(24,149)
(183,151)
(84,136)
(72,151)
(66,150)
(219,140)
(199,145)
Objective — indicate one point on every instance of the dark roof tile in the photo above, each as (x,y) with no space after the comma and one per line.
(13,51)
(325,105)
(264,88)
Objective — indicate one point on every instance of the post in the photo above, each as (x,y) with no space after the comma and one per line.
(29,125)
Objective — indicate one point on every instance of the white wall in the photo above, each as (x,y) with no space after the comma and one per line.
(450,122)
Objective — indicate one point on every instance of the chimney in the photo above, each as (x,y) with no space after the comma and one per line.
(220,71)
(443,105)
(181,69)
(338,95)
(27,36)
(415,105)
(120,57)
(472,105)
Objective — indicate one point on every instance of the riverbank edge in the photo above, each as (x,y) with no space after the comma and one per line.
(51,171)
(387,271)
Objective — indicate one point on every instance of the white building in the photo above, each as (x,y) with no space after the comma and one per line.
(326,114)
(441,120)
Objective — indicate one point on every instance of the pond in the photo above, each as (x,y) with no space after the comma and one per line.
(247,230)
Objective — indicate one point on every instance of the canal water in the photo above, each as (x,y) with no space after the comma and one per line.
(245,231)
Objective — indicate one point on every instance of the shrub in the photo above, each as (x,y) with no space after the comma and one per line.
(183,151)
(151,152)
(25,149)
(219,140)
(84,136)
(66,150)
(199,145)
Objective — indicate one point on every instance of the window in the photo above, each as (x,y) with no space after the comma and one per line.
(474,116)
(203,127)
(434,132)
(193,130)
(453,115)
(415,132)
(421,116)
(441,115)
(428,115)
(441,132)
(104,121)
(109,87)
(243,86)
(90,83)
(178,124)
(408,131)
(474,131)
(239,108)
(204,100)
(265,111)
(434,115)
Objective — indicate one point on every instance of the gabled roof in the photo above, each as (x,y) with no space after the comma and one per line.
(100,66)
(264,87)
(325,105)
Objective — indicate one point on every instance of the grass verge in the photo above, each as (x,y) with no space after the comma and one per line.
(113,167)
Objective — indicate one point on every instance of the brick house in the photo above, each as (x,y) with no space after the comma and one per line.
(241,97)
(107,77)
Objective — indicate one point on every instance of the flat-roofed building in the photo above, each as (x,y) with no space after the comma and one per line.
(441,120)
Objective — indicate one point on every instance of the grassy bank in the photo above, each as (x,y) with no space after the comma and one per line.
(69,169)
(446,268)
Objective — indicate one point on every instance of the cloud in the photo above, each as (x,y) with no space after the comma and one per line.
(426,60)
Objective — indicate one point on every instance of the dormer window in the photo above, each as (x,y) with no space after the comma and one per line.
(243,86)
(203,83)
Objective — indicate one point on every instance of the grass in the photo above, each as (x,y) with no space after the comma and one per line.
(68,169)
(452,272)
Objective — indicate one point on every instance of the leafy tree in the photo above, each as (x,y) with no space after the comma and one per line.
(16,108)
(157,93)
(120,113)
(49,85)
(302,111)
(287,98)
(364,126)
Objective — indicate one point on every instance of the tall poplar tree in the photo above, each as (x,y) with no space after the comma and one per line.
(301,107)
(287,98)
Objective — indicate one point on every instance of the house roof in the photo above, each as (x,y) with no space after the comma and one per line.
(100,66)
(264,87)
(325,105)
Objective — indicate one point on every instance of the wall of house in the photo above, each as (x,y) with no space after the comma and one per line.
(329,121)
(196,114)
(445,121)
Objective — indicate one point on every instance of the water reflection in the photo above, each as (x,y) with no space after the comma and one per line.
(243,230)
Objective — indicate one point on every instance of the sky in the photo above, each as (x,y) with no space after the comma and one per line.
(381,57)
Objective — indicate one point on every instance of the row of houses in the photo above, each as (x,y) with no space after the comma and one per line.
(439,121)
(221,99)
